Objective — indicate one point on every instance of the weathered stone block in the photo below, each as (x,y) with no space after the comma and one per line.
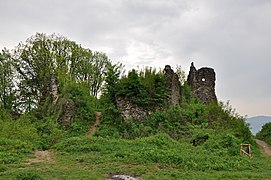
(202,82)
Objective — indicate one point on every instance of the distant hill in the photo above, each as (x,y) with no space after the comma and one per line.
(257,122)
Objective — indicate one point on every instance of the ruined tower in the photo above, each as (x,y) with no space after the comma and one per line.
(173,86)
(202,82)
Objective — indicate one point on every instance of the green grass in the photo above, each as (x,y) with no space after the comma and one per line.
(155,157)
(12,151)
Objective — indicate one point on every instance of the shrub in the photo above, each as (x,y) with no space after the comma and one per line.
(21,129)
(49,132)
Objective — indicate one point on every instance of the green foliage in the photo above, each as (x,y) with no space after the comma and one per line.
(181,74)
(84,103)
(4,114)
(112,121)
(50,133)
(130,85)
(224,142)
(168,121)
(222,117)
(108,131)
(84,110)
(111,80)
(179,122)
(21,129)
(186,94)
(159,149)
(12,151)
(43,56)
(146,88)
(193,112)
(7,86)
(265,134)
(28,175)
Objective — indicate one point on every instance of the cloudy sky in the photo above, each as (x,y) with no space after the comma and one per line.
(232,36)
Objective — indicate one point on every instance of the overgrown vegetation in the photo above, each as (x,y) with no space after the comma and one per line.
(172,141)
(264,134)
(145,88)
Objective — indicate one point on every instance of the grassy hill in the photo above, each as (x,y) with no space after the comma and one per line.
(154,157)
(51,106)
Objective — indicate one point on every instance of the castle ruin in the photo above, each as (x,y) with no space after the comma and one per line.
(202,83)
(173,86)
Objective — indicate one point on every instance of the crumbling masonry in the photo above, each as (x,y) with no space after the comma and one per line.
(202,83)
(173,86)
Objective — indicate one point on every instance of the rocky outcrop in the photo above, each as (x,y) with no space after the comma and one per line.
(173,86)
(202,82)
(130,110)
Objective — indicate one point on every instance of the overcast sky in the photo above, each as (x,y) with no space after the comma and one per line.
(231,36)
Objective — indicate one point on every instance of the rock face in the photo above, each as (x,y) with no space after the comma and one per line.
(202,82)
(130,110)
(173,86)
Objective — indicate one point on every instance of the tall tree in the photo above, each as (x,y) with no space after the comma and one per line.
(43,57)
(98,72)
(112,78)
(7,88)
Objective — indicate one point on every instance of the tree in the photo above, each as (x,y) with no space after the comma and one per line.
(98,72)
(181,74)
(7,88)
(112,78)
(46,58)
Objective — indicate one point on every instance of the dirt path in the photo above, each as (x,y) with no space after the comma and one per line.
(93,129)
(41,156)
(266,148)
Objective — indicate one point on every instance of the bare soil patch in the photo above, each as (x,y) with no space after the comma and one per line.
(41,156)
(266,148)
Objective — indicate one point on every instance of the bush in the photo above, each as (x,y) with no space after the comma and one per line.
(221,143)
(21,129)
(50,133)
(85,105)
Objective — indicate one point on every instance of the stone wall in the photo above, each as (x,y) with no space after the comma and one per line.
(173,86)
(130,110)
(202,82)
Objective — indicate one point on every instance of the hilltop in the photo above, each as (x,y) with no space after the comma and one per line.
(92,121)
